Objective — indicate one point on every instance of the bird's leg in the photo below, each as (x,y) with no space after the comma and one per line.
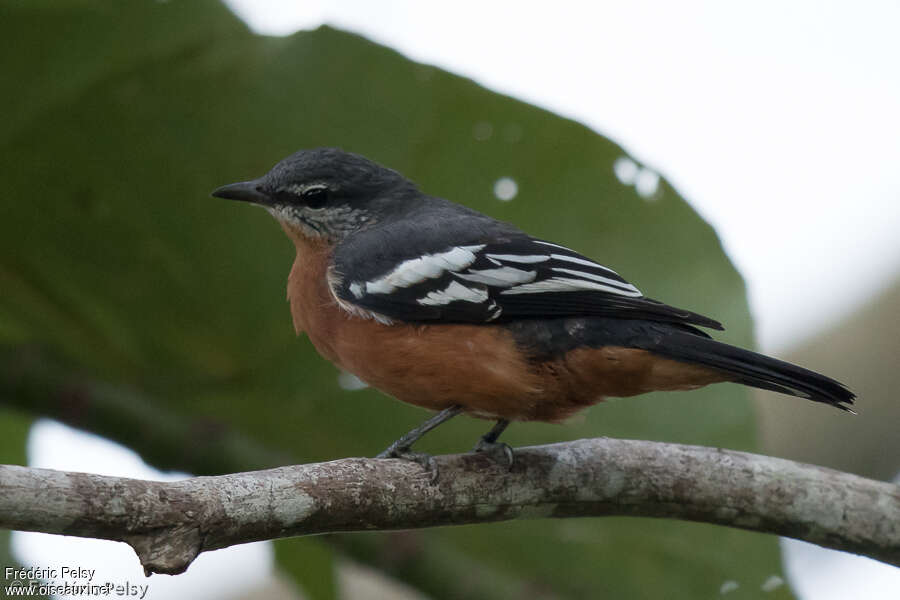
(402,447)
(489,443)
(406,442)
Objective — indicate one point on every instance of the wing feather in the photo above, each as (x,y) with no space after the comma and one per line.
(507,276)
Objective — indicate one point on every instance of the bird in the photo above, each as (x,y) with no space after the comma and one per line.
(451,310)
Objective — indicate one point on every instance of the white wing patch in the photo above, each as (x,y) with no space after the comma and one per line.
(602,280)
(417,270)
(519,258)
(550,244)
(453,292)
(566,284)
(536,272)
(625,287)
(502,277)
(576,260)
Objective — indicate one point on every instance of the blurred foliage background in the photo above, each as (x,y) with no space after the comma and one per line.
(136,307)
(864,349)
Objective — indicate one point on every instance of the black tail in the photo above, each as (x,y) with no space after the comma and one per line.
(753,369)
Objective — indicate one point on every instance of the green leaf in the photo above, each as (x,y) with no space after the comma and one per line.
(115,261)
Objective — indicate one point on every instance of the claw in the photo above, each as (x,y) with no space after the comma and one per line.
(489,444)
(496,449)
(401,448)
(425,460)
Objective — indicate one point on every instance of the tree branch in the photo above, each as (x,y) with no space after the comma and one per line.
(169,524)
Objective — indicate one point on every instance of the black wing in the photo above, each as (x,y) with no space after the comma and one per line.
(480,272)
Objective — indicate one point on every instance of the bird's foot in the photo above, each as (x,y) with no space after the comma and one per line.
(405,453)
(502,453)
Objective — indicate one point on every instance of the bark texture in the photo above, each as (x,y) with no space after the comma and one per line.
(169,524)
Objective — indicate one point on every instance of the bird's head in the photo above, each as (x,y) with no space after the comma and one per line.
(325,193)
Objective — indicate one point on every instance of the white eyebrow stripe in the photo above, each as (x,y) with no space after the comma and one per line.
(502,277)
(299,188)
(566,284)
(600,278)
(417,270)
(520,258)
(453,293)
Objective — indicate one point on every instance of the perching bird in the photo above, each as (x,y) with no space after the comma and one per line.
(446,308)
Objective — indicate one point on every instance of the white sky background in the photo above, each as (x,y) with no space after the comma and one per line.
(778,121)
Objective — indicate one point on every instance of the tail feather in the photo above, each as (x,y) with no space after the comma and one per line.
(754,369)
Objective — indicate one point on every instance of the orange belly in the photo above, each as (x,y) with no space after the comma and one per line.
(479,367)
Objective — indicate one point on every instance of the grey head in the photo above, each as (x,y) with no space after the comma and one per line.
(326,192)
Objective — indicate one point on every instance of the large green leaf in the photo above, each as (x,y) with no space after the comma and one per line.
(115,261)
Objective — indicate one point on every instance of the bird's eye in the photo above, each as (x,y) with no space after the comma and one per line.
(315,197)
